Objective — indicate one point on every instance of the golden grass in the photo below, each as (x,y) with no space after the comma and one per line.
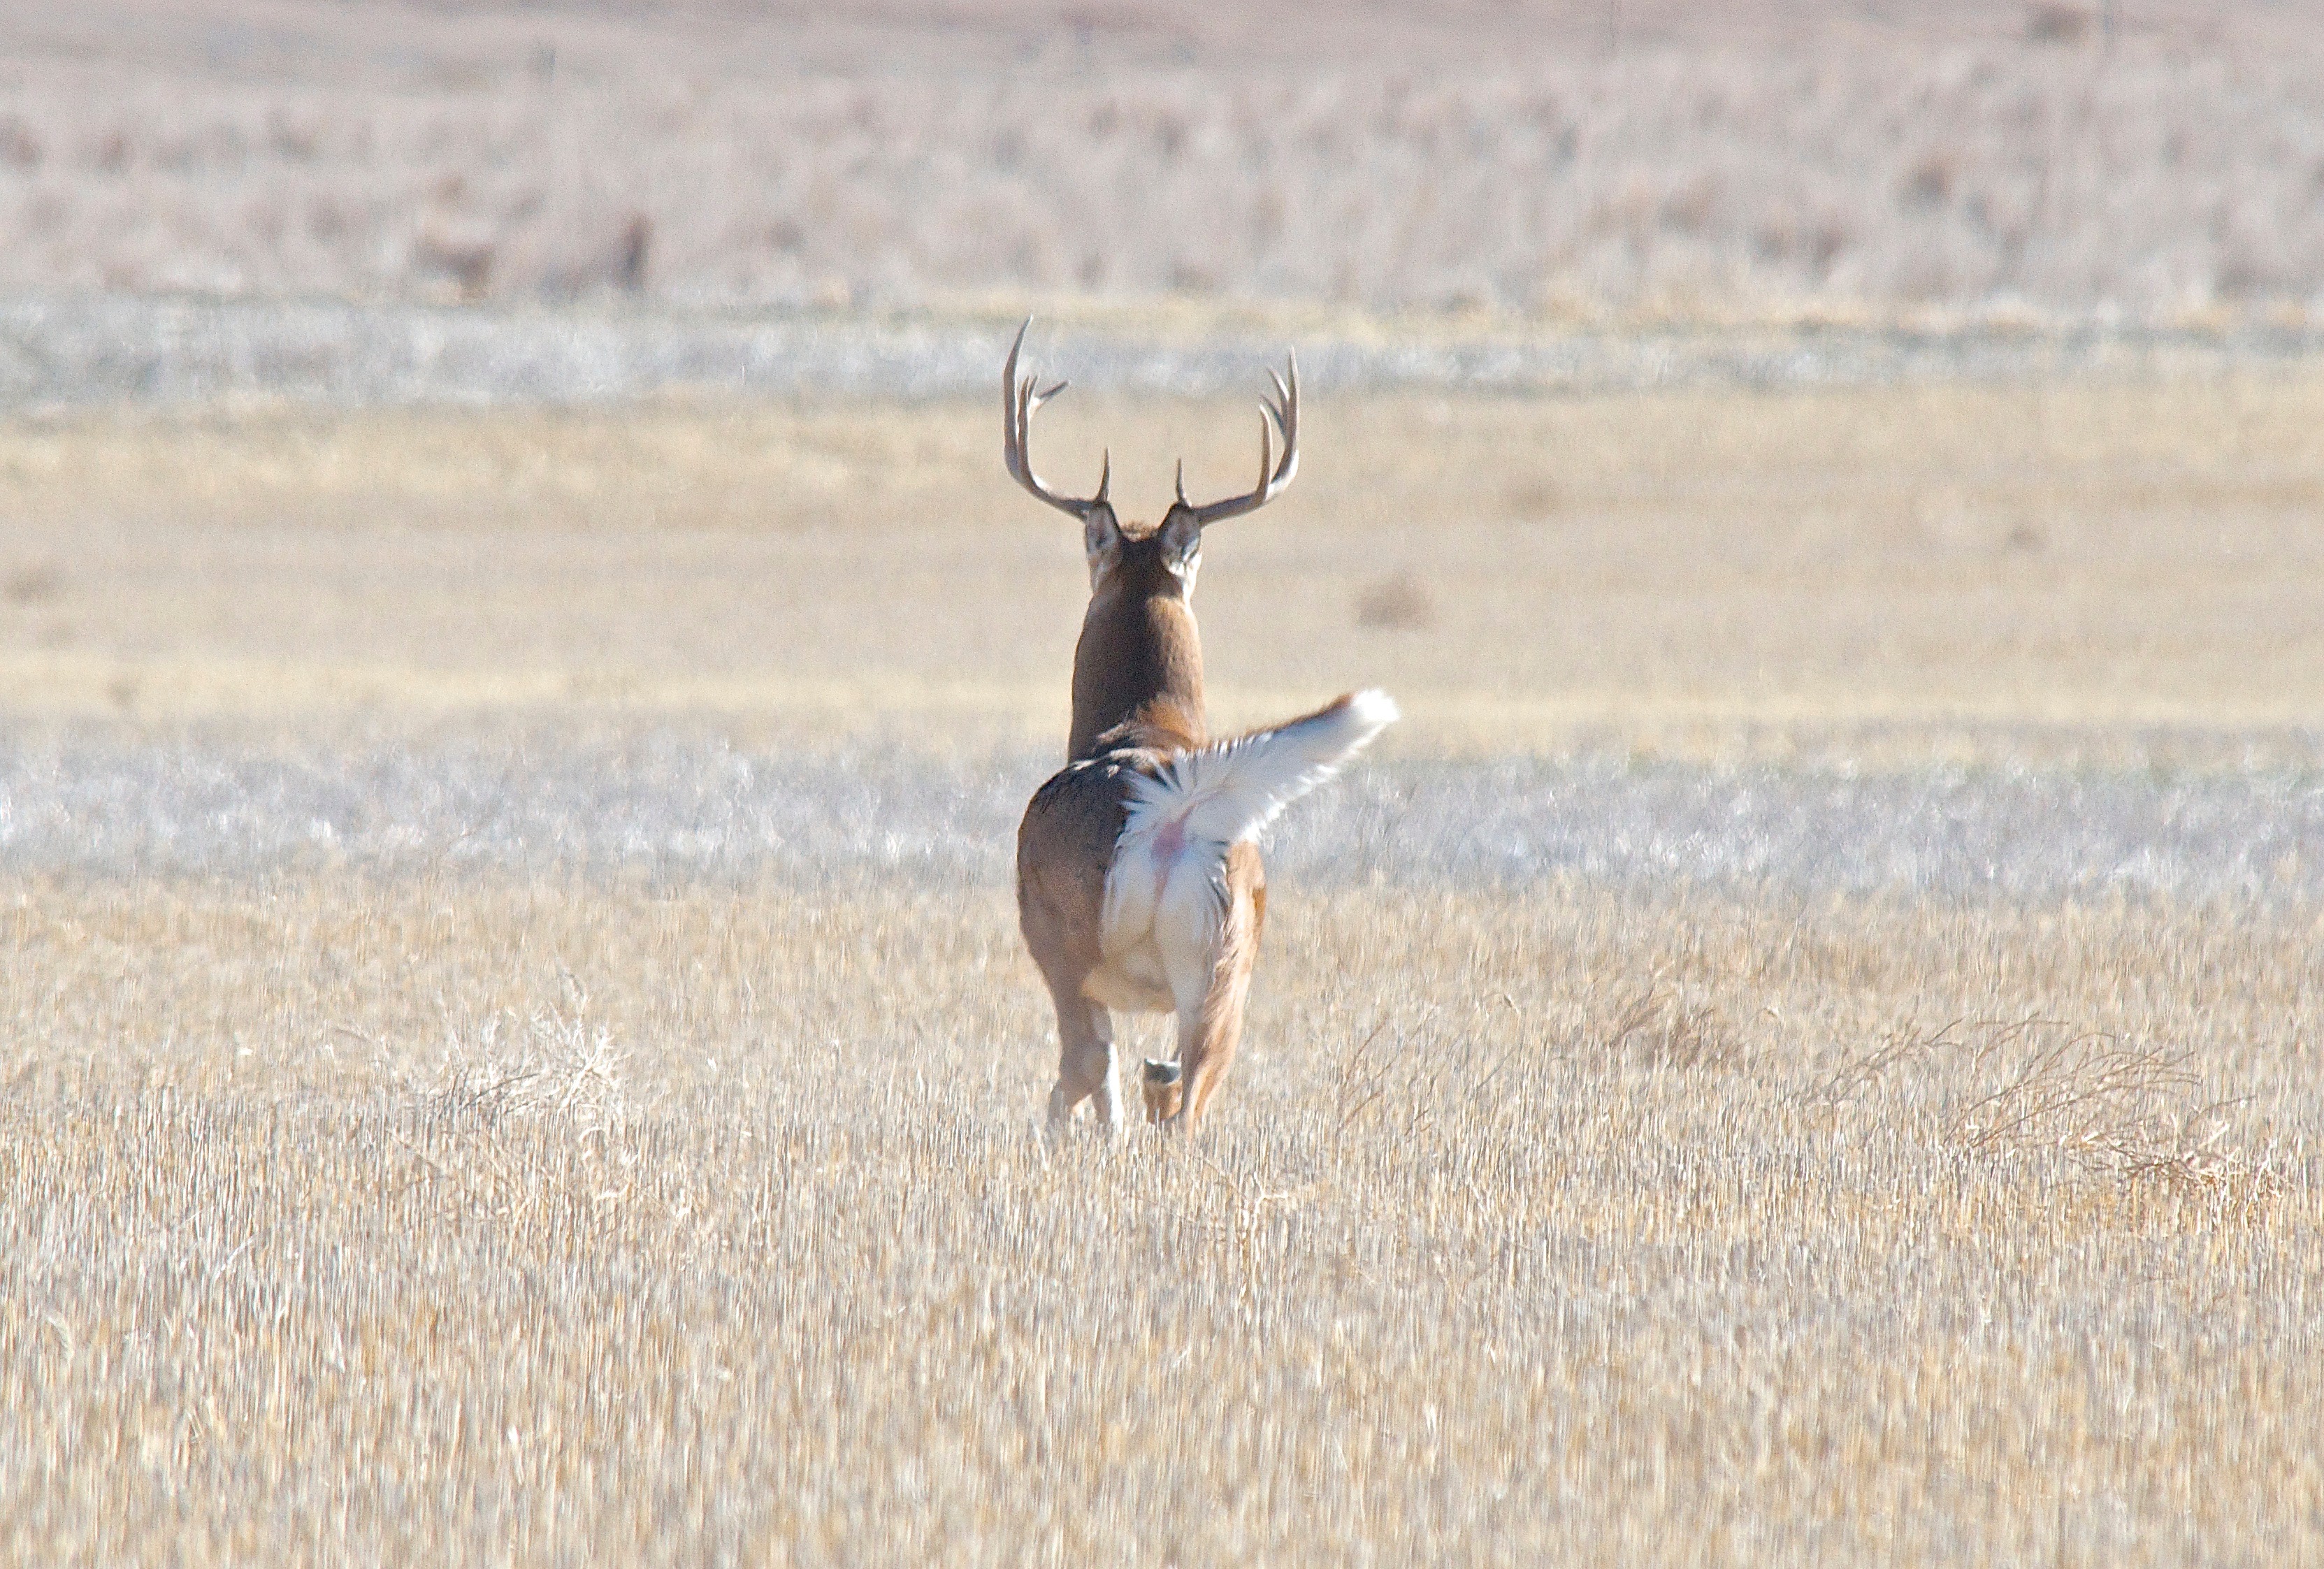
(443,1220)
(2074,571)
(373,1217)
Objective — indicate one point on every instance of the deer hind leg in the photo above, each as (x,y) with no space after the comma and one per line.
(1084,1059)
(1063,949)
(1209,1001)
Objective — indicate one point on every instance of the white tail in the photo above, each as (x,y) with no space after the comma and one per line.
(1225,793)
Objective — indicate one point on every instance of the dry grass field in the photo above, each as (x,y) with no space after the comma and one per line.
(2090,159)
(2065,572)
(445,1220)
(511,1056)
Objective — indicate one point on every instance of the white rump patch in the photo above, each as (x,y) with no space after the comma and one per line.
(1165,894)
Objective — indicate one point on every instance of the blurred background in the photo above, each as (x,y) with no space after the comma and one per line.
(2116,162)
(1799,374)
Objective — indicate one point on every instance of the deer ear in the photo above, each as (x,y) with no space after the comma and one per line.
(1101,534)
(1181,534)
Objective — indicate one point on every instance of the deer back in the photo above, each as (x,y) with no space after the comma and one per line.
(1138,668)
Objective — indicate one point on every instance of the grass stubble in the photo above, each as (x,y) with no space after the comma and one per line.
(436,1212)
(477,1220)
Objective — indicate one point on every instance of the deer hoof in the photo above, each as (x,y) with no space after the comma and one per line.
(1164,1085)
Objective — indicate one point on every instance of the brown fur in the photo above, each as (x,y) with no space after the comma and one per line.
(1065,849)
(1139,651)
(1206,1058)
(1064,846)
(1138,696)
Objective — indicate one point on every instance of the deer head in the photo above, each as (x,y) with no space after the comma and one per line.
(1137,668)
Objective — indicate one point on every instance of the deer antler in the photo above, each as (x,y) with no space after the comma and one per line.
(1018,399)
(1283,412)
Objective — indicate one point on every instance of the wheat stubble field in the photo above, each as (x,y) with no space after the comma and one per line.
(1804,1048)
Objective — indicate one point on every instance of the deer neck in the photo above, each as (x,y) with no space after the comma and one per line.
(1138,675)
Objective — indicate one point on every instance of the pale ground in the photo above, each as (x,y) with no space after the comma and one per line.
(2078,571)
(1848,1092)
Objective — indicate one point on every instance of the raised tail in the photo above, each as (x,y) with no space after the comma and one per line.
(1230,790)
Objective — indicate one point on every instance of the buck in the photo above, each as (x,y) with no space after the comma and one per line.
(1139,880)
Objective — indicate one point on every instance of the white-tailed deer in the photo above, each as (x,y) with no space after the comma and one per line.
(1139,881)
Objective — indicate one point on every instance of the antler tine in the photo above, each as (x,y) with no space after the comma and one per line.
(1283,412)
(1286,416)
(1020,397)
(1011,395)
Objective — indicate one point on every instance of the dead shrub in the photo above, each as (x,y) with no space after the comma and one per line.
(466,260)
(20,145)
(1401,602)
(1664,1027)
(2106,1105)
(1928,184)
(1532,497)
(36,584)
(557,1064)
(2054,23)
